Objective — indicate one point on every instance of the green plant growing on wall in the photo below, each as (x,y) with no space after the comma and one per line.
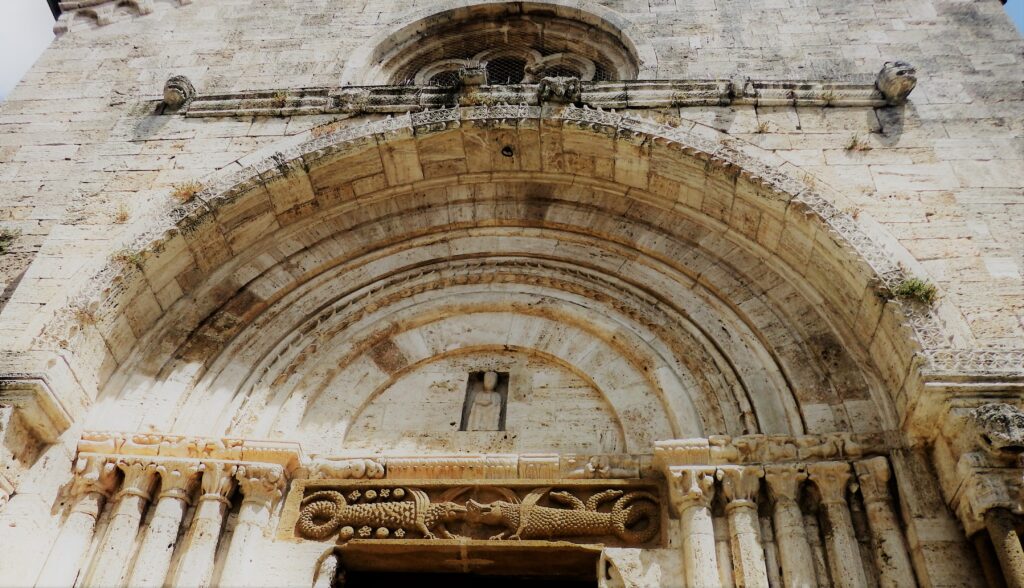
(917,290)
(7,237)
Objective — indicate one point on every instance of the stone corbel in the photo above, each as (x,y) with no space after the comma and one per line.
(38,407)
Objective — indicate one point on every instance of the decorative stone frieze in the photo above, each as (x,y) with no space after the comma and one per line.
(625,94)
(609,512)
(287,455)
(752,449)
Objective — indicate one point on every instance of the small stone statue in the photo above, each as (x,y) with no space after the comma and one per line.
(567,90)
(178,91)
(485,411)
(896,81)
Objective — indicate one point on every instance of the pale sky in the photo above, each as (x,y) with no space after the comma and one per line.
(26,29)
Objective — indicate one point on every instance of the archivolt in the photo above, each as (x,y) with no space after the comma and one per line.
(720,261)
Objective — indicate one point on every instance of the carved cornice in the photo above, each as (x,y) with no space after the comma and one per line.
(628,94)
(287,455)
(765,449)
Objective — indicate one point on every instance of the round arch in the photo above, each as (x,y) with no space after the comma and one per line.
(362,67)
(757,274)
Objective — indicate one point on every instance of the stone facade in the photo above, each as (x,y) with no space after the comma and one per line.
(634,293)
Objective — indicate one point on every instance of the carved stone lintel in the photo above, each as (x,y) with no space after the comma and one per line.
(831,479)
(178,91)
(690,486)
(784,481)
(617,513)
(896,81)
(261,484)
(178,479)
(139,476)
(218,481)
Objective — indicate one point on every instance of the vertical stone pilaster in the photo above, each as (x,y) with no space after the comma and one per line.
(892,557)
(692,489)
(177,482)
(94,481)
(195,569)
(110,564)
(261,487)
(740,486)
(795,555)
(831,479)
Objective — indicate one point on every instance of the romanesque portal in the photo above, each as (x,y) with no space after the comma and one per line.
(510,292)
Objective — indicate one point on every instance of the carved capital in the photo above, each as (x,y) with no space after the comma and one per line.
(261,484)
(93,474)
(831,479)
(873,476)
(740,484)
(178,479)
(984,491)
(784,481)
(218,480)
(139,476)
(690,486)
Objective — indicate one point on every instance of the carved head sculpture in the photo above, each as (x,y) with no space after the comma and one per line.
(487,514)
(896,80)
(1000,429)
(178,91)
(490,381)
(452,512)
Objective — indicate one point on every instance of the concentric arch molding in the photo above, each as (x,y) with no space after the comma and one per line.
(303,151)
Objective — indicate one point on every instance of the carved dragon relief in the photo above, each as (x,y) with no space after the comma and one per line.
(623,514)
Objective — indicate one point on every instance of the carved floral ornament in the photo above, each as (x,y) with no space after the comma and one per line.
(610,512)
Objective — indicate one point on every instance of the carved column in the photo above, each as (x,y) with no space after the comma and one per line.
(177,481)
(200,548)
(692,490)
(790,535)
(1002,529)
(891,554)
(95,479)
(110,565)
(261,487)
(740,485)
(831,479)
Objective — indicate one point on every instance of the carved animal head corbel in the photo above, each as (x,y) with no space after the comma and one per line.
(896,81)
(1000,430)
(178,91)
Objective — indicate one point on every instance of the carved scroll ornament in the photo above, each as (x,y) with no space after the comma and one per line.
(615,513)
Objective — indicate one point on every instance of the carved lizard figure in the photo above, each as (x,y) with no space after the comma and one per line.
(527,520)
(323,513)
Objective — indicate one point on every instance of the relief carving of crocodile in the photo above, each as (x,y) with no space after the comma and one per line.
(324,513)
(528,520)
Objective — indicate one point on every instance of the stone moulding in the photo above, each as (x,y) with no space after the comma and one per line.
(288,455)
(628,94)
(613,512)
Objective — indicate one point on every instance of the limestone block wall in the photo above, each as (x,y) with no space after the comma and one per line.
(941,179)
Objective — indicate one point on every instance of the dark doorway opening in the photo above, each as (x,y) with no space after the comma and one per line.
(355,579)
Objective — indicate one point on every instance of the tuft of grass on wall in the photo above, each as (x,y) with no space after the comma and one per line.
(186,191)
(128,258)
(7,238)
(917,290)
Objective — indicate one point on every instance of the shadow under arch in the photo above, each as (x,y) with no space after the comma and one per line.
(203,246)
(361,67)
